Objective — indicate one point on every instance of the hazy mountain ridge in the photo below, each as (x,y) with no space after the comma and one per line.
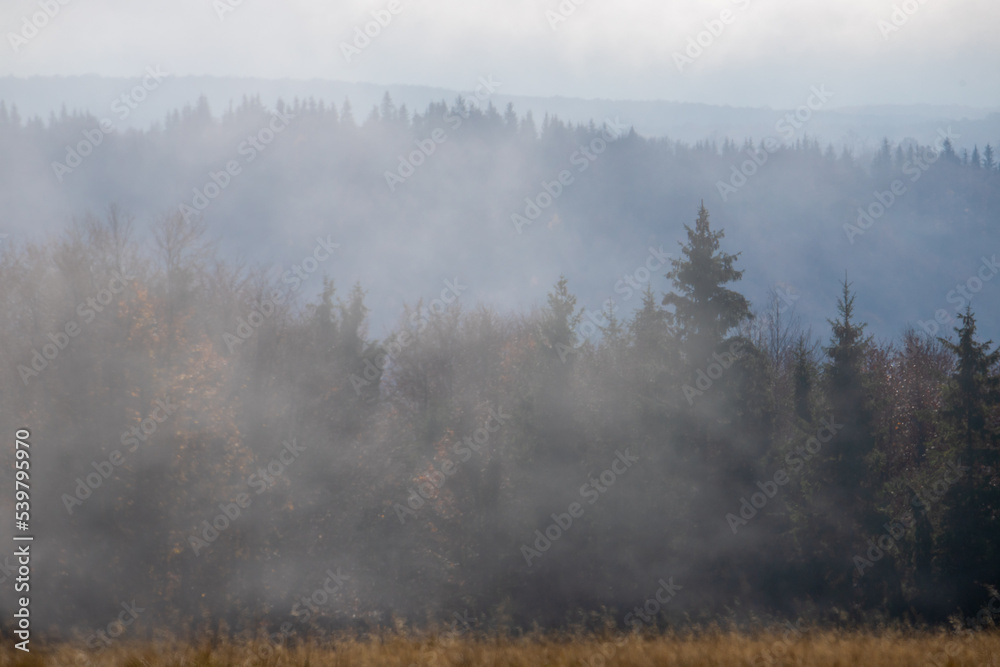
(859,127)
(326,174)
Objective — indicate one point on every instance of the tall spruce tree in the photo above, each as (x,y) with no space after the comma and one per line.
(975,388)
(969,544)
(649,328)
(845,475)
(705,310)
(560,321)
(989,158)
(559,352)
(849,398)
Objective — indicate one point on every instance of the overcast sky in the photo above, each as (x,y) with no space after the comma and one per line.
(768,54)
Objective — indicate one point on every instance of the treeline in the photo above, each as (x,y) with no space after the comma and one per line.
(497,464)
(324,172)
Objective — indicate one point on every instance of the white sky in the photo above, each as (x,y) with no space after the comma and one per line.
(769,55)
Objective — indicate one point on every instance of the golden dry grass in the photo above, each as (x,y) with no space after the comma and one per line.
(812,649)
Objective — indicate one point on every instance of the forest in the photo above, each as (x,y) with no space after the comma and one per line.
(514,334)
(215,449)
(307,168)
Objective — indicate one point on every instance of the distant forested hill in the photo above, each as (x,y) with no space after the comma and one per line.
(788,205)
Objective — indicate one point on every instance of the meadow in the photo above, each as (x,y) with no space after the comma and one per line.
(808,648)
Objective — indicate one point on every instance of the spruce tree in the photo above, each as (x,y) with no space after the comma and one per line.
(844,477)
(989,158)
(850,401)
(975,161)
(969,543)
(705,310)
(560,321)
(712,403)
(649,329)
(975,388)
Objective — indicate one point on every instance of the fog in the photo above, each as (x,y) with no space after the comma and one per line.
(301,348)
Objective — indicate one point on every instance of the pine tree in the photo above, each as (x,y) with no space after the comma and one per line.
(989,158)
(846,475)
(347,115)
(510,121)
(704,309)
(975,388)
(387,110)
(703,313)
(528,130)
(948,151)
(882,163)
(652,354)
(612,333)
(649,329)
(969,544)
(560,321)
(553,407)
(849,398)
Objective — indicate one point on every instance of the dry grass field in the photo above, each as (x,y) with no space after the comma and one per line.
(891,648)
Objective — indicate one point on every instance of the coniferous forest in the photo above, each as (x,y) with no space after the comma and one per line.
(675,340)
(913,218)
(215,448)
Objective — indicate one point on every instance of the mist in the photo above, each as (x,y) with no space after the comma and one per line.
(293,354)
